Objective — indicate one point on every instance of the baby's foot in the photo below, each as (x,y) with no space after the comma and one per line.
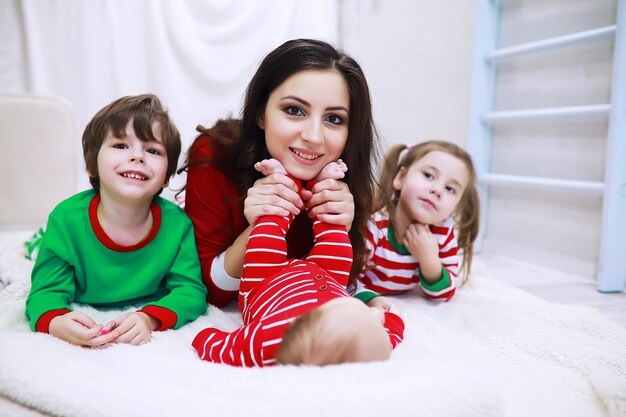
(270,166)
(333,170)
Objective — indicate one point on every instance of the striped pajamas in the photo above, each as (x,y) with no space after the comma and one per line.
(276,290)
(387,271)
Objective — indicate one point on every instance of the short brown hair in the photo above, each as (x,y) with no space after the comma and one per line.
(143,110)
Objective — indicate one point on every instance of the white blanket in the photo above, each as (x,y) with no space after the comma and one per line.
(492,350)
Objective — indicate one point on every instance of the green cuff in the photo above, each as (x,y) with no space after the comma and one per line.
(444,281)
(366,295)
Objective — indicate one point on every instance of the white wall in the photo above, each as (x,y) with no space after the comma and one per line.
(416,55)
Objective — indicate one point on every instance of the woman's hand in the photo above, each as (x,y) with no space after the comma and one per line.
(331,202)
(276,194)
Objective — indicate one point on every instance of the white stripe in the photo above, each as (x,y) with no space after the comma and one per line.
(277,323)
(286,295)
(276,282)
(339,258)
(224,347)
(271,342)
(341,232)
(267,236)
(404,273)
(391,286)
(213,346)
(292,306)
(206,342)
(280,252)
(339,272)
(266,224)
(265,264)
(392,255)
(333,244)
(253,279)
(282,298)
(252,346)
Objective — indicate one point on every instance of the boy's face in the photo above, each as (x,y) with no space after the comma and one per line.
(130,169)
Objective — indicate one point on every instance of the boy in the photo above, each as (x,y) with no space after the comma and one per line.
(119,244)
(298,311)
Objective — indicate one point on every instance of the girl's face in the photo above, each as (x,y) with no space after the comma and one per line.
(130,169)
(431,188)
(306,121)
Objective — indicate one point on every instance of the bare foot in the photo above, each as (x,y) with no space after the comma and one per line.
(333,170)
(270,166)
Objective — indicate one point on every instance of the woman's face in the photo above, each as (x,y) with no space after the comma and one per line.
(306,121)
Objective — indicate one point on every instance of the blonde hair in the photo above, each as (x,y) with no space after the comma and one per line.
(308,341)
(467,212)
(297,341)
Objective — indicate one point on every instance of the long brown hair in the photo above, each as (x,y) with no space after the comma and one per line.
(467,212)
(243,141)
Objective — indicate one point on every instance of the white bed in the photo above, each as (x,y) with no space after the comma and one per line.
(492,351)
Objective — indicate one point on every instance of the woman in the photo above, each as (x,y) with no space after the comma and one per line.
(307,104)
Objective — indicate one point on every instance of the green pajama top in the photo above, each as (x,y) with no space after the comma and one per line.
(79,263)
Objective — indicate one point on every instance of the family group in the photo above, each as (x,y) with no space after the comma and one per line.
(282,211)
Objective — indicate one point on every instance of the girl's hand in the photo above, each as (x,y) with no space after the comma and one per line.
(78,329)
(276,194)
(423,245)
(419,240)
(133,328)
(385,304)
(331,202)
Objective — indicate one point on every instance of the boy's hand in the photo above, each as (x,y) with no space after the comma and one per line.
(78,329)
(133,328)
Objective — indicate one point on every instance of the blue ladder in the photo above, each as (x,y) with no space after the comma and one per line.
(611,269)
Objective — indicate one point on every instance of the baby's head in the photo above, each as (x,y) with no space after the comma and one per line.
(342,330)
(145,115)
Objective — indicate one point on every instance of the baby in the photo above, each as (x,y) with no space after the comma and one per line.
(298,311)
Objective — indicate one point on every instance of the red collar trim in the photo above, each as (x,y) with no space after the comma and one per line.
(108,242)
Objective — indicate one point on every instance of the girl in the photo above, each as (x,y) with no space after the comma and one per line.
(307,104)
(425,192)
